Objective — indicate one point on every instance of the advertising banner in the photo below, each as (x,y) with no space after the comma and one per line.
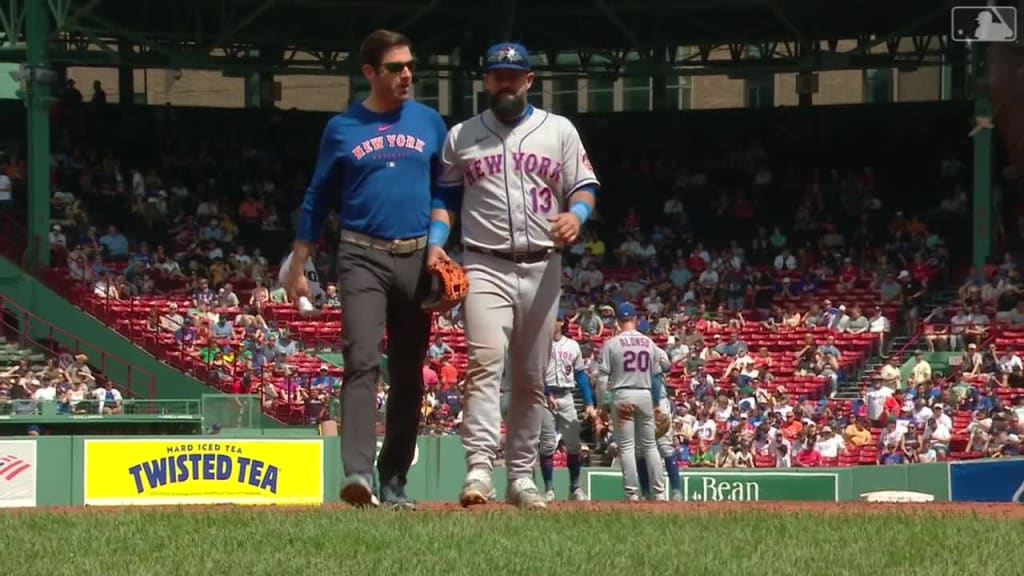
(18,471)
(717,486)
(120,472)
(989,481)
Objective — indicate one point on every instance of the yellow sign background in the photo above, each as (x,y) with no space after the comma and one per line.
(208,470)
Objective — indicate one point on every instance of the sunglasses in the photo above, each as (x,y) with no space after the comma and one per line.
(397,67)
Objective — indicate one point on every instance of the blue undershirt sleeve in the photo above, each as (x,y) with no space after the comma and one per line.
(583,383)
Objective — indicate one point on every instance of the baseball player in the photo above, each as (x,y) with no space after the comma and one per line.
(519,180)
(565,371)
(629,362)
(664,442)
(375,165)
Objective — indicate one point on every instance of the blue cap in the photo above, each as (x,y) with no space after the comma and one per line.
(626,310)
(507,56)
(561,314)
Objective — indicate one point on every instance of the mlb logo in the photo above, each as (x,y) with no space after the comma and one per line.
(984,24)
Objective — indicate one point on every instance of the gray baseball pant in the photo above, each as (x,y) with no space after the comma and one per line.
(564,419)
(636,437)
(508,310)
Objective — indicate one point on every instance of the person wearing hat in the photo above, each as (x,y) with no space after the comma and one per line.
(629,363)
(520,183)
(667,451)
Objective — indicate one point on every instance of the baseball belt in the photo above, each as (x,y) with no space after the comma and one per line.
(398,247)
(517,257)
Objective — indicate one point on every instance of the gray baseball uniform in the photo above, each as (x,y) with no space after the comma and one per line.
(664,366)
(560,380)
(513,178)
(629,362)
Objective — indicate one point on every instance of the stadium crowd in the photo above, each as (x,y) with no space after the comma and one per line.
(765,316)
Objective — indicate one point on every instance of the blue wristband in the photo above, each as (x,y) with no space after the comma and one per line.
(438,234)
(581,209)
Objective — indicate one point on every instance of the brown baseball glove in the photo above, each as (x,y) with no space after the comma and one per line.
(662,422)
(448,286)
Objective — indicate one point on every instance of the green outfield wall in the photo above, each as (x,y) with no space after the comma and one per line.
(264,468)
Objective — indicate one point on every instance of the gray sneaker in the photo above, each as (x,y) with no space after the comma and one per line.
(477,488)
(357,490)
(392,495)
(523,493)
(549,495)
(677,496)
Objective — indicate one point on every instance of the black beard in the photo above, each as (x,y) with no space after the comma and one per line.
(508,106)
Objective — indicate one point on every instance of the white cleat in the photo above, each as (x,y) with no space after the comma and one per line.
(578,495)
(523,493)
(477,488)
(549,496)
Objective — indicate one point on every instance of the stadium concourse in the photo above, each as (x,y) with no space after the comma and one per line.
(772,286)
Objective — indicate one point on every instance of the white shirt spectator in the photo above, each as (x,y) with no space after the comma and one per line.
(891,436)
(705,430)
(57,238)
(878,323)
(673,205)
(922,415)
(100,395)
(941,434)
(6,189)
(709,278)
(647,251)
(138,184)
(875,400)
(47,392)
(785,261)
(829,447)
(1008,362)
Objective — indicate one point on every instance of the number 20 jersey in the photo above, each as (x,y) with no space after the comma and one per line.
(514,177)
(629,360)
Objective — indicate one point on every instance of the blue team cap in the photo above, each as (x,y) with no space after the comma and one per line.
(507,56)
(626,310)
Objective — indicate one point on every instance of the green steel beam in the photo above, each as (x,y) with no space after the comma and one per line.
(982,205)
(38,100)
(12,22)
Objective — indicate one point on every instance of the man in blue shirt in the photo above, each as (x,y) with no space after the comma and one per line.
(375,165)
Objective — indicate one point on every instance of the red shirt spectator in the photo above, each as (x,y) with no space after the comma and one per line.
(808,458)
(429,377)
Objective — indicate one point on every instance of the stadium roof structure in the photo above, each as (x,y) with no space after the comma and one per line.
(619,37)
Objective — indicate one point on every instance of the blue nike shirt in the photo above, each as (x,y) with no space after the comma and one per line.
(377,169)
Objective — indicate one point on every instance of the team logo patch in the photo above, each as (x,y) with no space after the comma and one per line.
(586,161)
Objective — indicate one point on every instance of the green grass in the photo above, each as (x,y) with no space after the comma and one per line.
(244,542)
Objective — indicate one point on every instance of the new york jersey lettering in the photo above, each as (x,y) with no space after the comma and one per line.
(392,145)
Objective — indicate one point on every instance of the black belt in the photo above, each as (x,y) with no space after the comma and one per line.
(517,257)
(559,391)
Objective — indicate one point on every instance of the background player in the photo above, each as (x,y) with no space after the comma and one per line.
(519,179)
(628,364)
(565,371)
(375,165)
(664,442)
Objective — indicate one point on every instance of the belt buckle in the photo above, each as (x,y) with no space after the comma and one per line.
(396,245)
